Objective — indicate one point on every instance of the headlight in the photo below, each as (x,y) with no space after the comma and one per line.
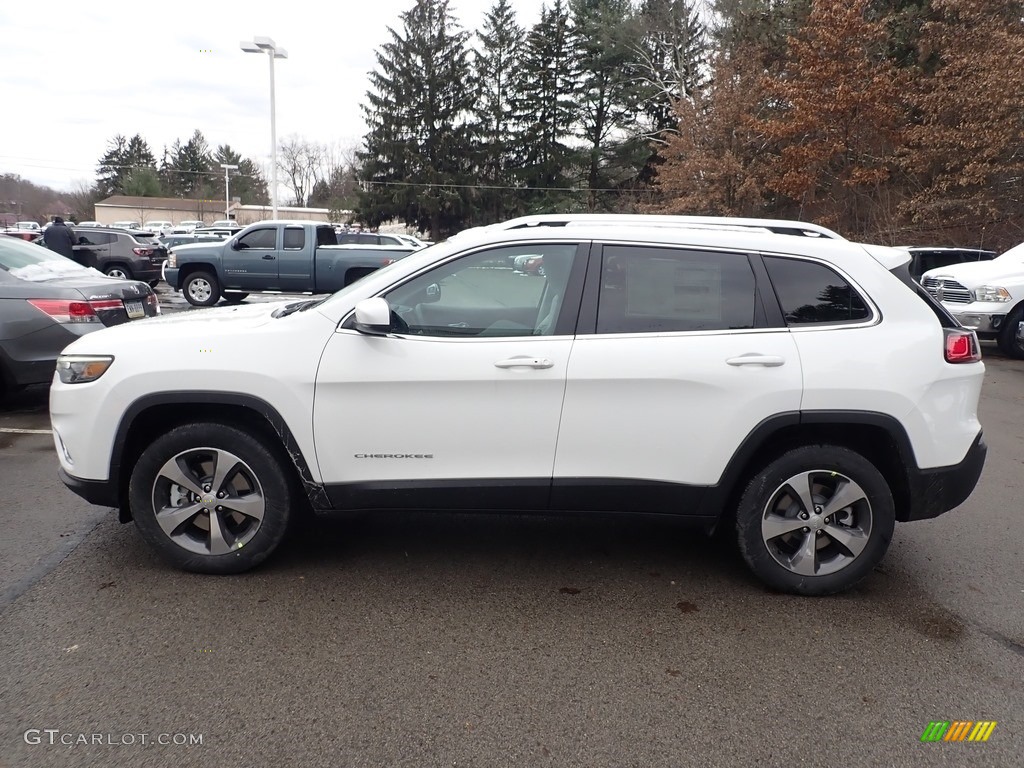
(991,293)
(78,369)
(172,259)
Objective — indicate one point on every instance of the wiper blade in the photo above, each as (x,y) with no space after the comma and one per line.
(297,306)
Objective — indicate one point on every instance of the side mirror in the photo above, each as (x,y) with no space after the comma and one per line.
(233,244)
(373,317)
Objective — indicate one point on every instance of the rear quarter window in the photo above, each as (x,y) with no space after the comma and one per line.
(810,293)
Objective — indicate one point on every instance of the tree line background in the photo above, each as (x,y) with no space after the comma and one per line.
(891,121)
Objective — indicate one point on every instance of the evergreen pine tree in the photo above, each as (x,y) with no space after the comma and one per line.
(499,80)
(546,109)
(419,148)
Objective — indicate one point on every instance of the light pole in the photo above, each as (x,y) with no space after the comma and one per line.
(267,46)
(227,188)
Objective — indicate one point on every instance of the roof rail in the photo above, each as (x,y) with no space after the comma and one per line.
(776,226)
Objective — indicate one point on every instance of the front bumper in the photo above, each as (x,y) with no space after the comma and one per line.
(170,276)
(985,324)
(934,491)
(100,492)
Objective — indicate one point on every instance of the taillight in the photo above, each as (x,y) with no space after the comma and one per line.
(143,251)
(962,346)
(153,301)
(63,311)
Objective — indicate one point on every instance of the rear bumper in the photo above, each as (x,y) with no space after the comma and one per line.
(934,491)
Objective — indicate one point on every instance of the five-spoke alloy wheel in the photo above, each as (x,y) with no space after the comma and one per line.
(816,520)
(211,498)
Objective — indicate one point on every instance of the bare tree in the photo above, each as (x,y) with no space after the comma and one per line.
(302,163)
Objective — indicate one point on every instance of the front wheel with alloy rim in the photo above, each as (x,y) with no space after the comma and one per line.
(211,498)
(1010,342)
(816,520)
(201,289)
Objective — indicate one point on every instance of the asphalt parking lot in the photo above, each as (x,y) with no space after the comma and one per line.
(422,640)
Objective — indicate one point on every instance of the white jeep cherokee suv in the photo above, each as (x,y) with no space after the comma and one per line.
(985,296)
(766,376)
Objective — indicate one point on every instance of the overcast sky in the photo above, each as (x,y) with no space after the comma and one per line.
(74,73)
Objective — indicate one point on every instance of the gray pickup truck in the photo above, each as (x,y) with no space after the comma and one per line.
(285,256)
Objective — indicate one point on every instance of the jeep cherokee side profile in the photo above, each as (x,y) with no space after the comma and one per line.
(797,388)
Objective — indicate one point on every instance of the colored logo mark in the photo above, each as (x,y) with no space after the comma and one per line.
(958,730)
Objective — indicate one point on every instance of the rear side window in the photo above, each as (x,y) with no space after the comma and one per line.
(85,237)
(811,293)
(294,239)
(648,290)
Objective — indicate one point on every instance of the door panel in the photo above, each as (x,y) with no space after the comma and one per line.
(252,261)
(682,367)
(439,401)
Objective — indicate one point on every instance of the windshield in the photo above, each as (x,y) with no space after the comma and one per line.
(413,262)
(33,262)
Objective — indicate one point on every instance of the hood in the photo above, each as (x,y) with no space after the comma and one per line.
(165,333)
(975,273)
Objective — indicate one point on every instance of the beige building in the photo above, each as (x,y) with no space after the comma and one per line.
(250,214)
(177,210)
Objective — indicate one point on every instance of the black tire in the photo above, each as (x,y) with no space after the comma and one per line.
(119,271)
(1008,343)
(257,482)
(817,562)
(201,289)
(154,283)
(235,297)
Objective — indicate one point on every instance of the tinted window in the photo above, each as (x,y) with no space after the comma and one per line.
(666,289)
(294,238)
(478,295)
(259,238)
(813,293)
(86,237)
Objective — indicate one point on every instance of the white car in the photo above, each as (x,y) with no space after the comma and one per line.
(225,224)
(189,225)
(127,225)
(159,227)
(803,391)
(985,296)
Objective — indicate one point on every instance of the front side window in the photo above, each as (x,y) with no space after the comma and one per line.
(258,238)
(657,290)
(482,295)
(811,293)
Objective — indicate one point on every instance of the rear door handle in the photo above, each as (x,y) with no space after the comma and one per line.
(525,362)
(768,361)
(270,257)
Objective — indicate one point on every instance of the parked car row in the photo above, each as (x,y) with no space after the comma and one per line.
(47,301)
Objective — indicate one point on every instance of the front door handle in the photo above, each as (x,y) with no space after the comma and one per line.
(768,361)
(269,257)
(525,362)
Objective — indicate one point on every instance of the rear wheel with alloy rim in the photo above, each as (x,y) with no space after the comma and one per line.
(118,271)
(211,498)
(816,520)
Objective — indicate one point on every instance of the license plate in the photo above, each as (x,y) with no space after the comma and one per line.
(135,309)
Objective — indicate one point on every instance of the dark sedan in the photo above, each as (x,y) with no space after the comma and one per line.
(48,301)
